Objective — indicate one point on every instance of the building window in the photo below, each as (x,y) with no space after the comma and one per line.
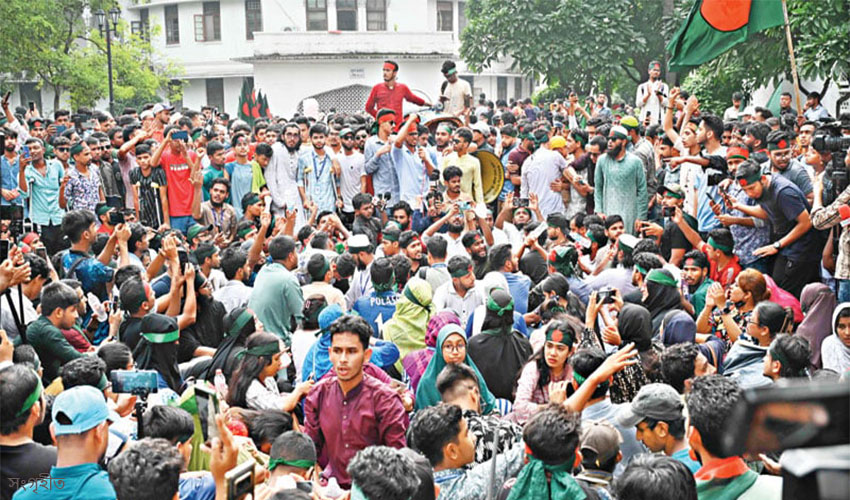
(461,16)
(253,18)
(376,15)
(215,93)
(346,15)
(172,25)
(502,87)
(208,25)
(141,28)
(317,15)
(445,17)
(518,88)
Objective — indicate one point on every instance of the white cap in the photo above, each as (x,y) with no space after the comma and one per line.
(162,107)
(144,115)
(481,127)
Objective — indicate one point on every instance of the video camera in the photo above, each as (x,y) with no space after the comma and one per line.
(717,170)
(832,141)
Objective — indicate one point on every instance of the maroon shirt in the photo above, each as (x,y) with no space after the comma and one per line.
(518,156)
(343,424)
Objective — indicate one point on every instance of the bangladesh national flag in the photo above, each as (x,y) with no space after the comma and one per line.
(715,26)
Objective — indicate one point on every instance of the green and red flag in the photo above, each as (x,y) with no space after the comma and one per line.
(253,105)
(715,26)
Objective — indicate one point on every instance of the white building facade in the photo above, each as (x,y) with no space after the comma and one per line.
(330,50)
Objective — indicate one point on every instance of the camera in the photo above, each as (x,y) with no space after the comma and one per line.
(668,211)
(717,170)
(832,144)
(606,295)
(136,382)
(115,217)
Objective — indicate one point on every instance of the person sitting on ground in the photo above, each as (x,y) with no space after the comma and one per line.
(652,476)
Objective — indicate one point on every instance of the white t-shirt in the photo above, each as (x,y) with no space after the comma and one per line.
(456,92)
(653,104)
(352,172)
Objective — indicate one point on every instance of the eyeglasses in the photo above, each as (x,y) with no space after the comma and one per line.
(454,348)
(348,138)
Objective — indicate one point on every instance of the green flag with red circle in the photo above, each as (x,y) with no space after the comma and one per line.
(715,26)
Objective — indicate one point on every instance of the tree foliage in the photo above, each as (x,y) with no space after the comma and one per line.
(57,42)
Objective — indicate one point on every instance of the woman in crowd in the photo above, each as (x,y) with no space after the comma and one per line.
(117,356)
(157,350)
(304,337)
(726,313)
(417,362)
(239,324)
(499,350)
(254,385)
(835,349)
(818,303)
(661,296)
(406,329)
(451,348)
(545,377)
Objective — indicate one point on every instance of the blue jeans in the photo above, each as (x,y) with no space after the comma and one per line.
(181,223)
(843,290)
(762,264)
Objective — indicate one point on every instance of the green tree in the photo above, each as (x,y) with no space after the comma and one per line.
(51,41)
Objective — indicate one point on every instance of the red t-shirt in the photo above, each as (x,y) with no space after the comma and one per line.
(180,189)
(385,97)
(725,276)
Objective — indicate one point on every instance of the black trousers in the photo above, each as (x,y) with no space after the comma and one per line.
(793,275)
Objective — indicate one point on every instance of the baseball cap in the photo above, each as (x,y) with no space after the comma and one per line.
(162,107)
(144,115)
(601,438)
(557,142)
(630,122)
(675,190)
(481,127)
(345,131)
(655,401)
(84,406)
(196,229)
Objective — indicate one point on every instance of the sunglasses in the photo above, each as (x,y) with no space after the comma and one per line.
(63,150)
(348,138)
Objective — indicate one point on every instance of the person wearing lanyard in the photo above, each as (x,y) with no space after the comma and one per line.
(317,172)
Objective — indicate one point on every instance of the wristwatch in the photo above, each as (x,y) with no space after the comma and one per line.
(777,245)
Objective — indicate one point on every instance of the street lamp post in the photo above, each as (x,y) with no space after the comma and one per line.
(104,24)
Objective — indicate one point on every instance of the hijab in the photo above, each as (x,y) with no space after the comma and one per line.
(635,325)
(427,393)
(406,329)
(318,360)
(238,324)
(663,296)
(818,303)
(416,362)
(834,354)
(500,352)
(157,349)
(680,328)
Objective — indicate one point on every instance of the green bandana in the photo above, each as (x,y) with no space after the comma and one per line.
(162,338)
(240,323)
(591,238)
(532,482)
(746,181)
(269,349)
(244,231)
(622,246)
(660,277)
(384,287)
(102,383)
(578,378)
(76,148)
(713,243)
(445,128)
(640,269)
(301,464)
(559,337)
(493,306)
(103,209)
(251,200)
(460,273)
(579,139)
(408,293)
(390,236)
(673,194)
(31,399)
(451,71)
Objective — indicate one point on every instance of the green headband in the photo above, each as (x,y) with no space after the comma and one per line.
(618,135)
(579,139)
(673,194)
(622,246)
(713,243)
(780,144)
(591,238)
(746,181)
(640,269)
(243,319)
(244,231)
(408,293)
(102,383)
(493,306)
(31,399)
(460,273)
(103,209)
(162,338)
(451,71)
(557,336)
(578,378)
(76,148)
(269,349)
(391,236)
(300,464)
(660,277)
(445,127)
(253,199)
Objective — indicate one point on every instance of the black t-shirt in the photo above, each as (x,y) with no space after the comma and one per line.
(673,237)
(130,331)
(784,202)
(23,462)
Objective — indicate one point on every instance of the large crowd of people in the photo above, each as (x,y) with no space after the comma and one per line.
(338,305)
